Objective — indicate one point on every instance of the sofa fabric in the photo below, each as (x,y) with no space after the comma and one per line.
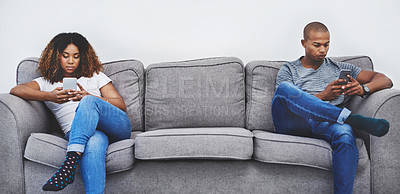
(205,176)
(50,150)
(27,70)
(195,143)
(126,76)
(19,118)
(206,128)
(293,150)
(128,79)
(260,88)
(198,93)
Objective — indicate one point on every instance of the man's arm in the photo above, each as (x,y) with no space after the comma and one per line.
(374,80)
(284,74)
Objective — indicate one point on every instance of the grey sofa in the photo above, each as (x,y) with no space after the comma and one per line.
(198,126)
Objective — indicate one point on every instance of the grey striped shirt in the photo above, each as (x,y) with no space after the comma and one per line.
(315,81)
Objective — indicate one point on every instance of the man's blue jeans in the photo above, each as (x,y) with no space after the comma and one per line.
(296,112)
(96,123)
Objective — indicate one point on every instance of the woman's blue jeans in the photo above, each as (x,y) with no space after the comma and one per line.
(96,123)
(296,112)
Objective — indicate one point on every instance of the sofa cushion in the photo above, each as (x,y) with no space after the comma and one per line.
(199,143)
(191,94)
(286,149)
(50,150)
(260,89)
(127,78)
(364,62)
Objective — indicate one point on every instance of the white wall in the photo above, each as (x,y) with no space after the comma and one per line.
(161,30)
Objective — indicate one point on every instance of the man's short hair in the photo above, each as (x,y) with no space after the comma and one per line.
(314,26)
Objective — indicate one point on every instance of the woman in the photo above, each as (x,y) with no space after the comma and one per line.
(91,116)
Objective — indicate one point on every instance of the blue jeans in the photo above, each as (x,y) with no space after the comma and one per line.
(96,123)
(296,112)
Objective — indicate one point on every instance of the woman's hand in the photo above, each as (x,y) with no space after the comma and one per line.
(78,95)
(61,96)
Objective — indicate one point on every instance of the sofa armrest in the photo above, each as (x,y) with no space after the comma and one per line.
(384,151)
(19,118)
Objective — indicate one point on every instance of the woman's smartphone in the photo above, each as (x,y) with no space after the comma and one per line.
(69,83)
(344,73)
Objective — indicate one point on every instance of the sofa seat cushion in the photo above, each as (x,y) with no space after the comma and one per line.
(195,143)
(50,150)
(287,149)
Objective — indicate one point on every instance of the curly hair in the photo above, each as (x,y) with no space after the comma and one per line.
(50,60)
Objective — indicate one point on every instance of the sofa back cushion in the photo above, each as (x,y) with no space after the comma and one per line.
(198,93)
(260,88)
(127,78)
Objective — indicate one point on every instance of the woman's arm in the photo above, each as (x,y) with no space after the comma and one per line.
(108,92)
(111,95)
(31,91)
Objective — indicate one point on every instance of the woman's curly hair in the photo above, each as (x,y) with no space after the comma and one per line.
(50,60)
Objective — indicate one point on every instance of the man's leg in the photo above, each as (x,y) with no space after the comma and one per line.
(345,153)
(311,107)
(306,105)
(285,120)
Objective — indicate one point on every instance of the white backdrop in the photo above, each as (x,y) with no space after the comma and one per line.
(168,30)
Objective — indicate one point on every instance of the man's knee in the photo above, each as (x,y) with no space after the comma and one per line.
(284,86)
(289,90)
(344,134)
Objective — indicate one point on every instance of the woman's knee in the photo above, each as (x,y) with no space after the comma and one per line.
(88,103)
(97,143)
(88,99)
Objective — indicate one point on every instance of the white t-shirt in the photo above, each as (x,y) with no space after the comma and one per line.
(65,112)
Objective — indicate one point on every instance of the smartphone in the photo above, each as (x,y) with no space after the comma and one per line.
(344,73)
(69,83)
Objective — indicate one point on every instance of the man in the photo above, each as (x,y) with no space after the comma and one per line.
(308,96)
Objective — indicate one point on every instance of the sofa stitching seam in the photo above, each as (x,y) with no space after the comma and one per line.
(295,142)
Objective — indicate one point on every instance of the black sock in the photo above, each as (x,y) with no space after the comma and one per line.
(65,174)
(377,127)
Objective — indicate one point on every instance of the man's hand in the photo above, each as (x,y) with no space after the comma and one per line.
(353,88)
(332,91)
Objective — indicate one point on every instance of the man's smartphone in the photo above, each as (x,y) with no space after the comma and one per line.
(69,83)
(344,73)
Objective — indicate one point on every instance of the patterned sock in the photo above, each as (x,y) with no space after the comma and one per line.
(65,174)
(377,127)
